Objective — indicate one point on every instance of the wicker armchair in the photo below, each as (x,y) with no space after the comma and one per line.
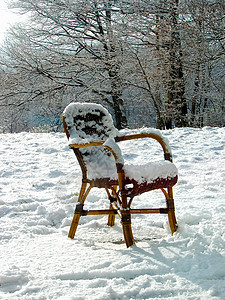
(94,140)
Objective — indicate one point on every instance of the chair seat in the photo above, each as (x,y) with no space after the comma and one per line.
(143,178)
(158,183)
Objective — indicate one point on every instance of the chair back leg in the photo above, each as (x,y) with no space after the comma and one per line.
(111,218)
(112,199)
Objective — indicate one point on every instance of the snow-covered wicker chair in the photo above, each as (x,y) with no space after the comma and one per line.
(93,138)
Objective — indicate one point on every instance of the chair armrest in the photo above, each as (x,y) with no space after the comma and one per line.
(109,144)
(155,134)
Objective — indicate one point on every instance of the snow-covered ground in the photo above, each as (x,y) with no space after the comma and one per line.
(38,189)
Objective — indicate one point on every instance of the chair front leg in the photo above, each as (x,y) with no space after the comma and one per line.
(78,210)
(127,230)
(126,221)
(76,219)
(171,211)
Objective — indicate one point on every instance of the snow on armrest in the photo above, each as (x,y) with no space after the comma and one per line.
(110,143)
(128,131)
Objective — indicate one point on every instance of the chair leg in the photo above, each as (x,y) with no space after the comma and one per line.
(127,230)
(172,220)
(111,218)
(76,218)
(79,208)
(171,211)
(73,226)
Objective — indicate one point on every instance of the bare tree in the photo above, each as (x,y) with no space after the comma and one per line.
(176,105)
(165,57)
(75,45)
(203,39)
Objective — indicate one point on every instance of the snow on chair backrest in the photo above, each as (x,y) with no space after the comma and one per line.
(88,122)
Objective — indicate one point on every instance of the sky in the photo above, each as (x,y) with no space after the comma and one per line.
(7,17)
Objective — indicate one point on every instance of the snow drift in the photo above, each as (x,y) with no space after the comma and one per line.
(40,179)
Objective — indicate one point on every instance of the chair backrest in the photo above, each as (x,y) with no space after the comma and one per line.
(88,122)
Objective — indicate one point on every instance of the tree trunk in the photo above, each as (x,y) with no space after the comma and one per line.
(113,67)
(176,106)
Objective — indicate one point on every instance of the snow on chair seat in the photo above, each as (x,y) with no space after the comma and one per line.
(151,176)
(94,140)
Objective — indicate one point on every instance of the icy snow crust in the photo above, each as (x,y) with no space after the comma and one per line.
(101,164)
(39,182)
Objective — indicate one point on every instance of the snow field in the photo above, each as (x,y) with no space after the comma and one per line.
(39,183)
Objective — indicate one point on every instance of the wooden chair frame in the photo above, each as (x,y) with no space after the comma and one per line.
(120,198)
